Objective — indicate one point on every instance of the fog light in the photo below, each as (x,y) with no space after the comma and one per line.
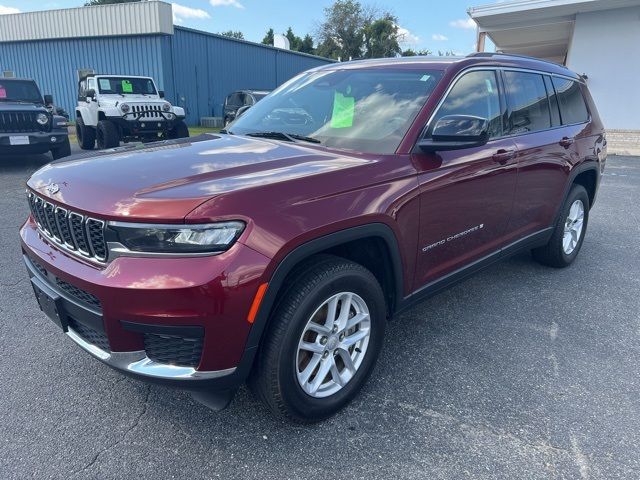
(53,139)
(142,125)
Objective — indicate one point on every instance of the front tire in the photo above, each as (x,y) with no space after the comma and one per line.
(86,135)
(180,130)
(322,342)
(108,135)
(63,150)
(568,235)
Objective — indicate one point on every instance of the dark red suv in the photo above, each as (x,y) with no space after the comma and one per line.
(277,250)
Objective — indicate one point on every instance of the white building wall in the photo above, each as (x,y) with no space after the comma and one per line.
(606,47)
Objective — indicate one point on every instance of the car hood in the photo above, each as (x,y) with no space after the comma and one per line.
(21,107)
(169,179)
(114,100)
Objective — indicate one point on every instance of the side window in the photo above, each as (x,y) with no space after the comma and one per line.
(82,89)
(475,93)
(248,100)
(572,106)
(553,102)
(234,100)
(91,83)
(528,102)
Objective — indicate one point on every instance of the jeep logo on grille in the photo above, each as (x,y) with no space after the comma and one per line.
(53,189)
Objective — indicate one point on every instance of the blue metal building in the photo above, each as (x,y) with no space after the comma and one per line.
(195,69)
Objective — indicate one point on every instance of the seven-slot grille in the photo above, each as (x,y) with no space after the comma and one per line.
(148,112)
(71,230)
(21,122)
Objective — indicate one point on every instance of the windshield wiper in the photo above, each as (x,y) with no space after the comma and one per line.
(291,137)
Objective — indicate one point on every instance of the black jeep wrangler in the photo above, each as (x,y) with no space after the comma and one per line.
(27,125)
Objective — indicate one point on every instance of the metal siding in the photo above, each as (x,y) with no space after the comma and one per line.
(53,64)
(206,68)
(138,18)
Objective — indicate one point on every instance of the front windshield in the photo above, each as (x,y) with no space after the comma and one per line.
(363,110)
(126,85)
(19,91)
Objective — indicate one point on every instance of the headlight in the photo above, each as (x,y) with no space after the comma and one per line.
(42,119)
(166,107)
(124,107)
(213,237)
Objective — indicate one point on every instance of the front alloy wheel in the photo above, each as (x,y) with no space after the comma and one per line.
(333,344)
(322,340)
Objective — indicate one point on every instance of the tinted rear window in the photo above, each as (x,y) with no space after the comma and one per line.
(572,106)
(528,102)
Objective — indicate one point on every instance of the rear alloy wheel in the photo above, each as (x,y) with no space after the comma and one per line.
(573,227)
(323,340)
(568,235)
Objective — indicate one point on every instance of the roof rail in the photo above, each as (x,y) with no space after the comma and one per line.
(516,55)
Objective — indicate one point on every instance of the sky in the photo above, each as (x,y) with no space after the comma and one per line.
(436,25)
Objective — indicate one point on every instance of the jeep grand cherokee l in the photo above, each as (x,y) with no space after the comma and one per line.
(276,253)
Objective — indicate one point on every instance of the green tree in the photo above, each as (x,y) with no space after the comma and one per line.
(412,53)
(381,37)
(233,34)
(91,3)
(306,46)
(268,38)
(295,42)
(340,35)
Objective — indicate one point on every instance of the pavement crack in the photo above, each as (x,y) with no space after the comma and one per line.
(132,427)
(580,458)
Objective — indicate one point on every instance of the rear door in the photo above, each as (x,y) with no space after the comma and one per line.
(466,195)
(546,150)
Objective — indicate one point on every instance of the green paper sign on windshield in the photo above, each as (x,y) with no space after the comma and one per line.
(127,87)
(343,108)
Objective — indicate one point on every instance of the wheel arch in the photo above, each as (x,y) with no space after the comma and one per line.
(588,178)
(343,244)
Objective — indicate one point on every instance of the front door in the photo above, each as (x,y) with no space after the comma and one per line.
(466,195)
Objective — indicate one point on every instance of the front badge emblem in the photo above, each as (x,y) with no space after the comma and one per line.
(53,189)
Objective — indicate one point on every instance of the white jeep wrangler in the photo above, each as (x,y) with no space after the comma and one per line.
(114,108)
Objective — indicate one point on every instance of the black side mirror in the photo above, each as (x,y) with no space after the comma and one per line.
(455,132)
(161,93)
(48,100)
(91,93)
(241,110)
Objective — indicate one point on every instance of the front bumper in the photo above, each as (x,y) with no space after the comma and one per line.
(150,121)
(39,142)
(112,310)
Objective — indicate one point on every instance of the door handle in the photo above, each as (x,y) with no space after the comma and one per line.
(502,156)
(566,142)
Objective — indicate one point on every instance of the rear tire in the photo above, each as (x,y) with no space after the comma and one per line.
(180,130)
(568,235)
(86,135)
(63,150)
(108,135)
(313,361)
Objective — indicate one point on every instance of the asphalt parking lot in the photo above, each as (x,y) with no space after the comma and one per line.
(519,372)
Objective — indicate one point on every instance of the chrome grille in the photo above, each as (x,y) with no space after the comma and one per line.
(75,232)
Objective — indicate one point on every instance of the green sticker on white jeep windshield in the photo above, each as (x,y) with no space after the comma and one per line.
(127,87)
(343,108)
